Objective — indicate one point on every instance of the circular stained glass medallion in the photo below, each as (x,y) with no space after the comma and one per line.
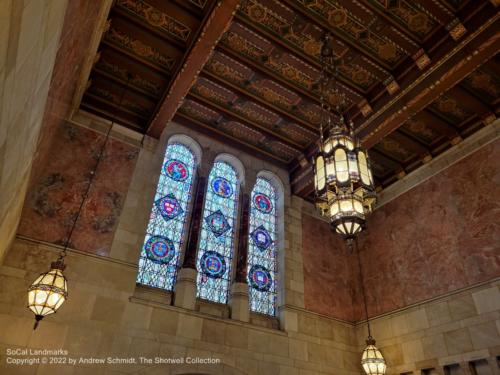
(263,203)
(169,207)
(222,187)
(261,238)
(260,278)
(176,170)
(160,249)
(213,264)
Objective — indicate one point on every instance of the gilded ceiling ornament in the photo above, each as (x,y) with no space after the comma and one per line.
(418,22)
(290,72)
(419,128)
(447,105)
(156,18)
(240,44)
(450,106)
(312,47)
(209,93)
(482,81)
(387,51)
(115,99)
(136,80)
(273,96)
(257,12)
(337,17)
(139,48)
(393,146)
(225,71)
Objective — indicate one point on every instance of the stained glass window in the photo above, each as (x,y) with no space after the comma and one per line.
(217,233)
(160,253)
(262,249)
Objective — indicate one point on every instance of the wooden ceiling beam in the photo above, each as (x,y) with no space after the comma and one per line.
(436,123)
(295,52)
(325,26)
(410,144)
(189,122)
(474,50)
(216,24)
(245,94)
(268,72)
(150,28)
(112,117)
(117,107)
(123,83)
(411,47)
(136,58)
(228,114)
(470,101)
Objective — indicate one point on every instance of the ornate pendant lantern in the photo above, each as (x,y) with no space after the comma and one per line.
(343,180)
(372,361)
(48,292)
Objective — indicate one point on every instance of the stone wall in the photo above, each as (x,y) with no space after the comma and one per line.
(455,334)
(101,319)
(107,315)
(29,40)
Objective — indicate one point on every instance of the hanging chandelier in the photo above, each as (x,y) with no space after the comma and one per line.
(50,290)
(343,180)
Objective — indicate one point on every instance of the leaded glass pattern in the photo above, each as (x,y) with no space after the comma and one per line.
(215,251)
(262,249)
(159,261)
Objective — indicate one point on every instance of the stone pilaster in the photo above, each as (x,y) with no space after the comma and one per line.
(239,290)
(185,288)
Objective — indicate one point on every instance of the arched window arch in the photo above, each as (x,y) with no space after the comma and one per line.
(215,251)
(160,254)
(263,244)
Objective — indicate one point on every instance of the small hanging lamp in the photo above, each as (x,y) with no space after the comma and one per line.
(372,360)
(50,290)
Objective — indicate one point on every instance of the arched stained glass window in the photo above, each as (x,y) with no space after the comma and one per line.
(160,253)
(262,249)
(217,234)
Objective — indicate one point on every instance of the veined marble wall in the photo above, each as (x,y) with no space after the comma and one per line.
(439,237)
(57,190)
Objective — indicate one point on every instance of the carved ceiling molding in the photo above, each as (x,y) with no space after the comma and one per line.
(216,25)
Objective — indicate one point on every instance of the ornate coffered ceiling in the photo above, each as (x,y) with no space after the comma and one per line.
(418,76)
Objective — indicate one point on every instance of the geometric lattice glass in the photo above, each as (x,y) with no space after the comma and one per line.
(262,249)
(160,253)
(215,251)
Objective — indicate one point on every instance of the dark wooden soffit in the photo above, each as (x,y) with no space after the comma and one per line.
(215,26)
(465,58)
(204,128)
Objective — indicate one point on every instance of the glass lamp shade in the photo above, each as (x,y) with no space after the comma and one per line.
(347,215)
(372,360)
(48,292)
